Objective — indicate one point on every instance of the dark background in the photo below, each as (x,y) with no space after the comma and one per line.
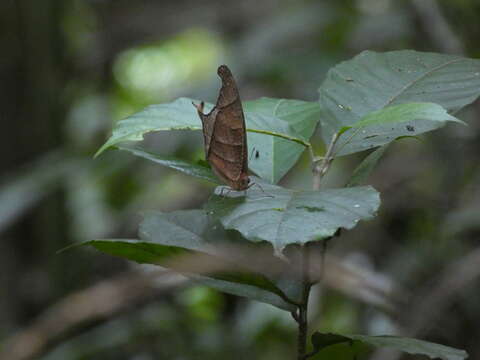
(70,68)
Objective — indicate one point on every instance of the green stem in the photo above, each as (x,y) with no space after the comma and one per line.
(303,307)
(302,334)
(320,168)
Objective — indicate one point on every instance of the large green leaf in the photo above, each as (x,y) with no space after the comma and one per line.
(289,121)
(282,216)
(166,236)
(274,156)
(374,81)
(177,115)
(189,168)
(406,113)
(396,121)
(194,230)
(408,345)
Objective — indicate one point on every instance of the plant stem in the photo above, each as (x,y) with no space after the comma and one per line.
(320,168)
(302,334)
(303,307)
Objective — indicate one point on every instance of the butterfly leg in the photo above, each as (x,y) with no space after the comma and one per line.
(249,186)
(222,190)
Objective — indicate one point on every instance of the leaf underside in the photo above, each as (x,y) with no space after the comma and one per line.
(167,238)
(189,168)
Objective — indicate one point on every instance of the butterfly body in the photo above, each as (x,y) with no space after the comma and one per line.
(224,134)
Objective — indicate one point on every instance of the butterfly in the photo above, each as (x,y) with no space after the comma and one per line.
(224,134)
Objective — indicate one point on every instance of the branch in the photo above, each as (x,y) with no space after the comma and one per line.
(303,307)
(100,301)
(320,168)
(437,28)
(431,303)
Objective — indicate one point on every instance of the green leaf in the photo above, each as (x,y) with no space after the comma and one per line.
(406,112)
(192,169)
(321,341)
(276,155)
(383,126)
(166,236)
(282,216)
(177,115)
(194,230)
(374,81)
(289,122)
(363,171)
(408,345)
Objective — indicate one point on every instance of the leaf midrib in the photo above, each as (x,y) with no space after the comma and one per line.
(274,166)
(427,73)
(282,216)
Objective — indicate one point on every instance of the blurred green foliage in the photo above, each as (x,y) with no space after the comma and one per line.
(160,72)
(71,67)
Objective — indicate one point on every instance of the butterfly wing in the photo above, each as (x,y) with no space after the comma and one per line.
(225,134)
(208,125)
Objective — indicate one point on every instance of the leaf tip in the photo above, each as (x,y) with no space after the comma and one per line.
(69,247)
(454,119)
(101,150)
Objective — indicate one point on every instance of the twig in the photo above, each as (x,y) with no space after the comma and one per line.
(100,301)
(312,154)
(431,303)
(323,252)
(303,307)
(437,28)
(455,278)
(321,167)
(346,142)
(295,315)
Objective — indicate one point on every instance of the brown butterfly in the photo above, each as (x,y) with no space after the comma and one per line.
(224,134)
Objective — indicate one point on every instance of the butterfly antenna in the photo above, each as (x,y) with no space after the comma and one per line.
(199,107)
